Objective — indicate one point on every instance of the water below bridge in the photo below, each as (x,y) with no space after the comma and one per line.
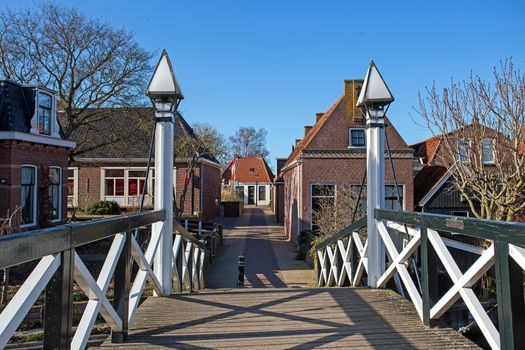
(279,307)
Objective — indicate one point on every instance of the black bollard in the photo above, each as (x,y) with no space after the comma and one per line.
(240,276)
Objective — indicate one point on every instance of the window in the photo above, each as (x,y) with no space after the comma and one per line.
(125,186)
(357,138)
(44,113)
(240,191)
(28,195)
(394,197)
(391,196)
(262,193)
(72,187)
(321,195)
(55,193)
(463,151)
(252,170)
(487,151)
(136,181)
(114,182)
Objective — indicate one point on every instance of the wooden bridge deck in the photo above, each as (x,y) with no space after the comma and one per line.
(289,318)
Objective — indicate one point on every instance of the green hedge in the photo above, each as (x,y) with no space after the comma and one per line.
(103,208)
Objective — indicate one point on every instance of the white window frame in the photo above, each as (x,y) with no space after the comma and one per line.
(60,183)
(467,143)
(350,137)
(312,197)
(126,197)
(75,187)
(35,195)
(491,149)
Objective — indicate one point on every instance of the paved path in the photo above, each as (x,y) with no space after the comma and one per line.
(269,257)
(276,310)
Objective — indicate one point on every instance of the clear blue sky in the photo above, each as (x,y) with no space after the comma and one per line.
(275,63)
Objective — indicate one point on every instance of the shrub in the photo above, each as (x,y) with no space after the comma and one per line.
(103,208)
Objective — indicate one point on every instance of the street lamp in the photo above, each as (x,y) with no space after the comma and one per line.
(374,97)
(166,94)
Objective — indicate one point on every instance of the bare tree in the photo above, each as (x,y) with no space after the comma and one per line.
(205,142)
(89,63)
(249,142)
(334,213)
(8,225)
(215,142)
(480,125)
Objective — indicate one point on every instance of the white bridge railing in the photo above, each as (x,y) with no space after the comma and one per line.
(128,263)
(417,249)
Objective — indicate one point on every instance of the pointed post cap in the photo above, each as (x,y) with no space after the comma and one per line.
(374,90)
(163,84)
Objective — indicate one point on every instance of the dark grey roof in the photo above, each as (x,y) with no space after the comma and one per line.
(17,106)
(123,133)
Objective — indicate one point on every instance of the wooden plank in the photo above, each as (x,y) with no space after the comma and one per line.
(285,318)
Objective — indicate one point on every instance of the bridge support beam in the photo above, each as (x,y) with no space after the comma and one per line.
(164,194)
(375,190)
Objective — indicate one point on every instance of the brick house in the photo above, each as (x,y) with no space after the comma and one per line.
(252,178)
(332,154)
(33,156)
(116,171)
(434,191)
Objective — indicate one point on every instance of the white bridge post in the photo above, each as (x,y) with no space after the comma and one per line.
(374,96)
(375,165)
(164,194)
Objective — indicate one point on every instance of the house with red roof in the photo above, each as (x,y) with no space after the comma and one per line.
(434,191)
(332,154)
(252,178)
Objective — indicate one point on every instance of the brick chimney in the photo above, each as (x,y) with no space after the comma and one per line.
(297,142)
(307,129)
(352,90)
(318,116)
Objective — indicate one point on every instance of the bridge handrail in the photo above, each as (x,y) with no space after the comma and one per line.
(59,266)
(342,261)
(22,247)
(348,230)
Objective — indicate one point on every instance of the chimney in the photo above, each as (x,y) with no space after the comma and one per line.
(318,116)
(352,90)
(307,129)
(297,142)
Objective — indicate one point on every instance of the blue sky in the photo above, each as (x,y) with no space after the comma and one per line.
(274,64)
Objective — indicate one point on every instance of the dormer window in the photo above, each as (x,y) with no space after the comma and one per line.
(44,113)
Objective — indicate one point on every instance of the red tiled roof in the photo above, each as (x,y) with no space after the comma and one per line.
(427,149)
(306,140)
(249,169)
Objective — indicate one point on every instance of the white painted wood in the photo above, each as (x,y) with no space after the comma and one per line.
(323,277)
(332,262)
(140,279)
(363,258)
(471,276)
(375,165)
(145,265)
(23,300)
(201,270)
(400,259)
(88,284)
(195,267)
(476,309)
(462,246)
(186,271)
(93,306)
(176,251)
(346,269)
(518,254)
(401,269)
(164,196)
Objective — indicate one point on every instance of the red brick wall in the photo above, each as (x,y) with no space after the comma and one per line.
(278,198)
(334,135)
(211,191)
(14,154)
(89,187)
